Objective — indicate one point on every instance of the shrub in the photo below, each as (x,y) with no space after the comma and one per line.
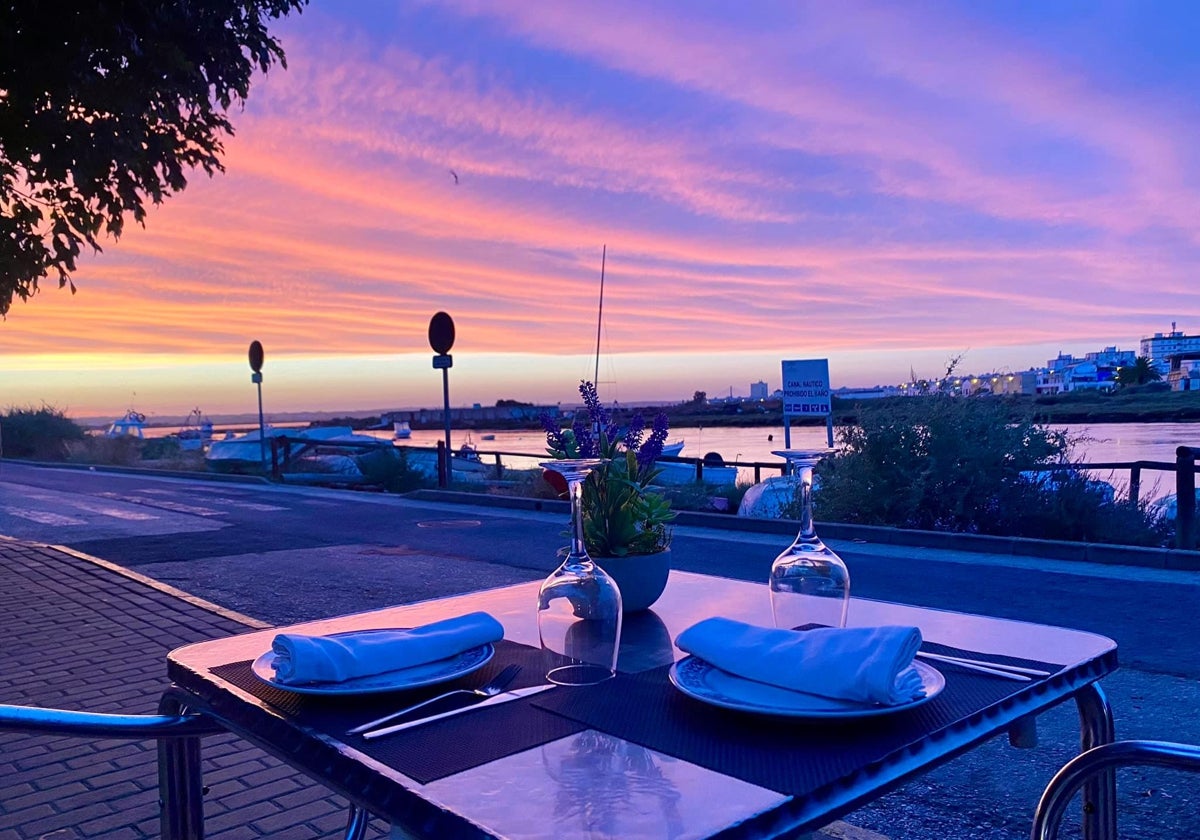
(960,464)
(40,434)
(390,470)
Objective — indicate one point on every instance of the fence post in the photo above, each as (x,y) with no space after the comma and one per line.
(699,470)
(1135,483)
(1185,498)
(499,467)
(275,459)
(443,460)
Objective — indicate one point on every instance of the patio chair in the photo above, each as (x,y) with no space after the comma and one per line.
(1104,758)
(174,732)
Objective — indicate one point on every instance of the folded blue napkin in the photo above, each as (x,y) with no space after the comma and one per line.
(864,664)
(301,659)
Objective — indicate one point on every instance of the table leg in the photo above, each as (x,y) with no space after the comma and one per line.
(180,781)
(1099,793)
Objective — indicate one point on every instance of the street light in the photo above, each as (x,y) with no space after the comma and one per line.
(441,339)
(256,363)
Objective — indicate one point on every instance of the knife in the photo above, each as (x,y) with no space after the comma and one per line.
(515,694)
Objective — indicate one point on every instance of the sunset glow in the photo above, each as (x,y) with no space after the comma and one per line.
(883,185)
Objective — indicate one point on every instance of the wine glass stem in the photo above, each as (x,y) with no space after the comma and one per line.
(578,555)
(807,531)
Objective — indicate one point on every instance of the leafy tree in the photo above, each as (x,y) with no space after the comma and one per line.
(1139,373)
(699,398)
(105,105)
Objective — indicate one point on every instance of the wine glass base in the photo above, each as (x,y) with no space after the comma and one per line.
(579,674)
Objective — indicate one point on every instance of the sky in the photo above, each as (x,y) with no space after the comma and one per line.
(883,185)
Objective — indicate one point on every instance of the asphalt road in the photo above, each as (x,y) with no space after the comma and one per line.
(285,554)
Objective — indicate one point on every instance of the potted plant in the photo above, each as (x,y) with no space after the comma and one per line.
(625,522)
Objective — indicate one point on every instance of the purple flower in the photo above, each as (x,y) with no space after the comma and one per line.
(582,427)
(652,448)
(633,435)
(554,436)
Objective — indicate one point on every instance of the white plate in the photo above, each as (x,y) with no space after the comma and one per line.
(430,673)
(709,684)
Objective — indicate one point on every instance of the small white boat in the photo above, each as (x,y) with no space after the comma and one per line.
(401,430)
(196,432)
(684,472)
(672,450)
(246,453)
(133,424)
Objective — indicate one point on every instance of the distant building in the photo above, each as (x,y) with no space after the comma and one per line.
(758,390)
(1185,349)
(1095,371)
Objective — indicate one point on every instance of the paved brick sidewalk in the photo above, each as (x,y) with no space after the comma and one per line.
(82,634)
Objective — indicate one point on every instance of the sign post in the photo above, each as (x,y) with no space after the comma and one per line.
(256,363)
(806,394)
(441,339)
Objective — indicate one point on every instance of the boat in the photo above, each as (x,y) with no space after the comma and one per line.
(196,431)
(401,430)
(672,450)
(246,453)
(467,459)
(487,437)
(133,425)
(716,472)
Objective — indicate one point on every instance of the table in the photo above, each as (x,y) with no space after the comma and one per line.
(638,792)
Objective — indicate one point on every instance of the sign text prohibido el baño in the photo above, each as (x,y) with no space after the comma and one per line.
(806,388)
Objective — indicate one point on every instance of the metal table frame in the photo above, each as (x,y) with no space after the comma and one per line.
(373,787)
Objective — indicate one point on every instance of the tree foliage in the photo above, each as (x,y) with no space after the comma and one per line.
(1141,372)
(105,105)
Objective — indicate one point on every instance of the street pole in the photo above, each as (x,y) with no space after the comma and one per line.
(256,363)
(441,339)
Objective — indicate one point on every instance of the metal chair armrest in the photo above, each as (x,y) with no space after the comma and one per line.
(96,725)
(1076,772)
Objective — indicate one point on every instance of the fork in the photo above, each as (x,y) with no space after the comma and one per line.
(489,689)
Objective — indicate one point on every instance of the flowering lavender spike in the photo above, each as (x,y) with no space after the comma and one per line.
(633,435)
(652,448)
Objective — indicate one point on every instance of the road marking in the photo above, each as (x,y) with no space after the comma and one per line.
(44,517)
(240,503)
(177,507)
(115,513)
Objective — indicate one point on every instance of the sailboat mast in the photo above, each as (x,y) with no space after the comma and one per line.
(600,316)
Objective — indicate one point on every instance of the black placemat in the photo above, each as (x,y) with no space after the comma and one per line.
(433,750)
(782,754)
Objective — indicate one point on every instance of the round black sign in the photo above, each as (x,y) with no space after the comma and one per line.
(256,356)
(441,333)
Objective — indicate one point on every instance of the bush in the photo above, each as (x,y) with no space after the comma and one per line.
(960,464)
(390,470)
(38,434)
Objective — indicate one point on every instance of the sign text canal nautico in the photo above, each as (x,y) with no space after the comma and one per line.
(806,393)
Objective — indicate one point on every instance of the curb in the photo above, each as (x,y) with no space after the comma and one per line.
(1102,553)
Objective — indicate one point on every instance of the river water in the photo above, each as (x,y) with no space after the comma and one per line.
(1098,443)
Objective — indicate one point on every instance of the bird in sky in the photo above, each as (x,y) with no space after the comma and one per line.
(454,175)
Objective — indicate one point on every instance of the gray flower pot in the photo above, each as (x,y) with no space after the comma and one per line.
(641,579)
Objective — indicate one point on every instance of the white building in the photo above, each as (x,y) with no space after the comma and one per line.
(1159,346)
(758,390)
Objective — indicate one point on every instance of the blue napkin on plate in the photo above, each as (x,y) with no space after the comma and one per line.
(864,664)
(301,659)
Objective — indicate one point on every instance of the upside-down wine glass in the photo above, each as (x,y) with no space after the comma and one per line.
(579,605)
(809,583)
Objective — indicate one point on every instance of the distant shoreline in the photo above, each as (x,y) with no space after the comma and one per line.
(1126,406)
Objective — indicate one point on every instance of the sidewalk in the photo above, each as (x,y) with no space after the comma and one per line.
(82,634)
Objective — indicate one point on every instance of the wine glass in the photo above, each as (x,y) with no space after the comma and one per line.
(809,583)
(579,605)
